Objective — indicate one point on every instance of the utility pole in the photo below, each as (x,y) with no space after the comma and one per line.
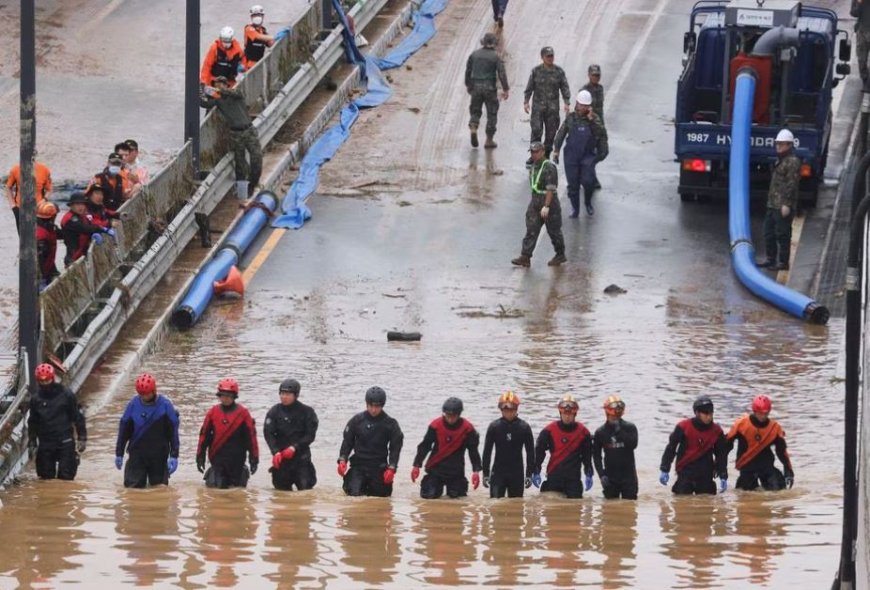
(28,292)
(191,81)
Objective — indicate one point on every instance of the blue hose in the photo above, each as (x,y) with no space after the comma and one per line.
(227,255)
(742,252)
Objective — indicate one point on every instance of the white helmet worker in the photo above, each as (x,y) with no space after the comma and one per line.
(584,98)
(227,34)
(784,136)
(257,9)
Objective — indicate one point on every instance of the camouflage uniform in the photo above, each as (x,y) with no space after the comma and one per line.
(597,92)
(861,11)
(585,140)
(546,83)
(543,177)
(231,105)
(483,68)
(784,184)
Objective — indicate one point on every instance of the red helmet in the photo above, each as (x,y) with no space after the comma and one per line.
(230,385)
(44,373)
(761,404)
(146,384)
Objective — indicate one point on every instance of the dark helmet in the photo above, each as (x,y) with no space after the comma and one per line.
(290,386)
(452,405)
(376,396)
(489,40)
(703,404)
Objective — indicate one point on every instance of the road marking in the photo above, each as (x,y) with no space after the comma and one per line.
(797,227)
(262,255)
(639,45)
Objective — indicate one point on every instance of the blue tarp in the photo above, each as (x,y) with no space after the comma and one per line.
(424,30)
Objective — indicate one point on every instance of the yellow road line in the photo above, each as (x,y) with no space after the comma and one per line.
(262,255)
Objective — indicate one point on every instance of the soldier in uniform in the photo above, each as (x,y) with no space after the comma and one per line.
(546,82)
(585,141)
(544,209)
(861,11)
(483,68)
(781,201)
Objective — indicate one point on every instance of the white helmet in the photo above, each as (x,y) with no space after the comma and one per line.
(227,34)
(584,98)
(784,136)
(257,9)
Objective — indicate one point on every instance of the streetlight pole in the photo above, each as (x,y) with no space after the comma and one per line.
(191,81)
(28,293)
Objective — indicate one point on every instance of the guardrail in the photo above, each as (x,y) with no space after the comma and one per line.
(87,306)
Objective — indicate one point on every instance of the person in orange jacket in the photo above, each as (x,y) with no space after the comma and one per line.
(224,58)
(257,38)
(114,181)
(42,177)
(755,433)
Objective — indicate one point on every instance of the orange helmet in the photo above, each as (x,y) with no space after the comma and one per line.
(762,404)
(614,406)
(568,403)
(46,210)
(508,400)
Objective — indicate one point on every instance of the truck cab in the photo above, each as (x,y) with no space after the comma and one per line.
(794,92)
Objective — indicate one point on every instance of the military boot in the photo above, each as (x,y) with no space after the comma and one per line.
(474,142)
(522,260)
(587,200)
(557,260)
(490,142)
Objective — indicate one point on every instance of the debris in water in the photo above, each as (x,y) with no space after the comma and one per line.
(614,289)
(395,336)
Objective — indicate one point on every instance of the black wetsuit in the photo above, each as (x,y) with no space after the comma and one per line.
(616,442)
(701,451)
(570,448)
(446,466)
(149,433)
(509,439)
(293,425)
(376,442)
(54,412)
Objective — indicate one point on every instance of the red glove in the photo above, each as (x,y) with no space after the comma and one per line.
(342,468)
(276,460)
(389,476)
(415,473)
(289,453)
(475,480)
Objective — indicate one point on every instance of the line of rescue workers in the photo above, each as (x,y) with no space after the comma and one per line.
(148,435)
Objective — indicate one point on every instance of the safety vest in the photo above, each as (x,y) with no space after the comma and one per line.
(113,189)
(757,439)
(224,64)
(225,424)
(564,443)
(534,179)
(698,442)
(254,48)
(448,440)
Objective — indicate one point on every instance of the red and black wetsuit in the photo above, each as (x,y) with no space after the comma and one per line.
(102,215)
(77,231)
(46,249)
(228,434)
(509,437)
(570,448)
(701,451)
(754,456)
(617,442)
(446,445)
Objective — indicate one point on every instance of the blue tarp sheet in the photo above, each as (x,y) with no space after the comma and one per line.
(424,30)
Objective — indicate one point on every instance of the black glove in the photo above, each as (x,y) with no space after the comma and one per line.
(81,445)
(254,465)
(789,479)
(200,464)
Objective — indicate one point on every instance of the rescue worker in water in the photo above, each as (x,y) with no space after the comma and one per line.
(755,434)
(289,430)
(55,427)
(616,440)
(701,451)
(509,435)
(446,441)
(570,446)
(228,433)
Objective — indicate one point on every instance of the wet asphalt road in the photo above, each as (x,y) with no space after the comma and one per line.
(413,229)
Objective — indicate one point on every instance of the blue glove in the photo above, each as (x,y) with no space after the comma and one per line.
(723,485)
(587,483)
(97,239)
(283,33)
(172,464)
(241,69)
(119,462)
(664,476)
(111,233)
(536,480)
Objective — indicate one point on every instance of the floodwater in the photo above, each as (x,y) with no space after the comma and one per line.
(414,230)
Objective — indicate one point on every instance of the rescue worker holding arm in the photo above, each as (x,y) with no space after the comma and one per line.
(585,140)
(782,200)
(228,433)
(257,38)
(55,427)
(508,435)
(375,440)
(483,68)
(78,229)
(701,451)
(755,434)
(289,430)
(543,209)
(223,58)
(148,433)
(446,441)
(570,446)
(546,82)
(616,440)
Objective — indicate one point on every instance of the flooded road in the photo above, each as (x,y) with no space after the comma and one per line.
(414,230)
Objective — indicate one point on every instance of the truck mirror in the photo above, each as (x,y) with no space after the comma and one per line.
(689,42)
(845,50)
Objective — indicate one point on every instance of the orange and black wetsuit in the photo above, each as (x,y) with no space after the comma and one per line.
(221,62)
(256,42)
(754,456)
(701,451)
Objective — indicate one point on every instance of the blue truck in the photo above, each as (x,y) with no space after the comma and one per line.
(794,92)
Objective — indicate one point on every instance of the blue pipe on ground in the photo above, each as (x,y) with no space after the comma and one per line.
(226,256)
(742,251)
